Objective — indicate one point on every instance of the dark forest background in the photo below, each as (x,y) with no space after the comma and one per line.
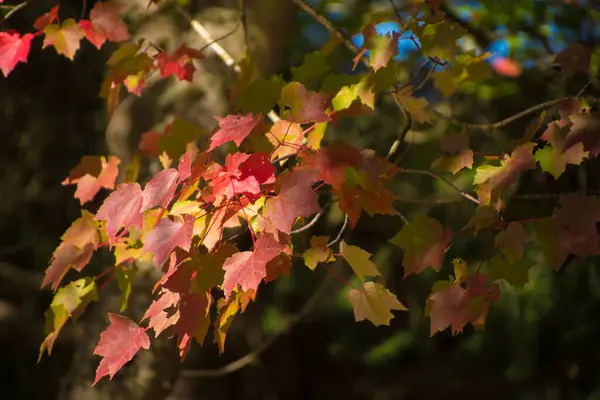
(541,342)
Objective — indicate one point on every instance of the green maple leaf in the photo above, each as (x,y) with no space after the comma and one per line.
(512,240)
(424,242)
(515,272)
(125,277)
(484,216)
(359,260)
(68,302)
(555,162)
(209,268)
(374,302)
(182,132)
(260,95)
(314,67)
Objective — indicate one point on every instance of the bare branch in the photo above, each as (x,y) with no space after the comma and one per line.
(307,226)
(506,121)
(402,217)
(441,178)
(14,9)
(341,232)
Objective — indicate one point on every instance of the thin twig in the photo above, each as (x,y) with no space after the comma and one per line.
(506,121)
(15,9)
(334,30)
(587,85)
(307,226)
(441,178)
(401,216)
(255,354)
(341,232)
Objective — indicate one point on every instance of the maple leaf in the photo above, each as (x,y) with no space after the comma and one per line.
(228,181)
(160,190)
(424,242)
(226,311)
(573,59)
(374,302)
(280,265)
(302,106)
(178,135)
(287,138)
(456,163)
(13,50)
(318,252)
(180,63)
(125,278)
(499,176)
(447,309)
(572,230)
(513,271)
(234,128)
(209,272)
(193,321)
(65,38)
(450,305)
(455,143)
(118,344)
(359,260)
(248,268)
(585,129)
(416,107)
(105,24)
(296,198)
(167,235)
(357,178)
(381,48)
(258,166)
(512,240)
(91,174)
(122,209)
(149,143)
(68,302)
(47,18)
(75,251)
(159,317)
(555,162)
(485,215)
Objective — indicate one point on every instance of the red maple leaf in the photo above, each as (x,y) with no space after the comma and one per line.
(258,166)
(160,190)
(160,319)
(91,174)
(185,165)
(13,49)
(118,344)
(192,323)
(67,256)
(248,268)
(180,63)
(105,24)
(230,180)
(149,143)
(234,128)
(47,18)
(296,199)
(122,209)
(167,235)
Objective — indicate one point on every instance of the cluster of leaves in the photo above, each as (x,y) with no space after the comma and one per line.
(178,218)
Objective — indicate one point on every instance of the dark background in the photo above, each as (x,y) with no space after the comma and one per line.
(541,342)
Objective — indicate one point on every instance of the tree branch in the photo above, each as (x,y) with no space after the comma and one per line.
(307,226)
(506,121)
(340,233)
(441,178)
